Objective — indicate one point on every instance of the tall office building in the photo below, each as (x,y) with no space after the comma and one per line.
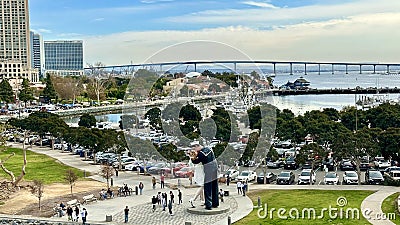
(64,57)
(15,63)
(37,52)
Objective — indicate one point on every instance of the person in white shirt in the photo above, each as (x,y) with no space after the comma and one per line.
(199,180)
(239,187)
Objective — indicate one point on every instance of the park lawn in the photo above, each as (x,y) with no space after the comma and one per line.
(389,205)
(299,199)
(39,167)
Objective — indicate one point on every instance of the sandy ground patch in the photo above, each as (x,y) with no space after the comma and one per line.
(24,202)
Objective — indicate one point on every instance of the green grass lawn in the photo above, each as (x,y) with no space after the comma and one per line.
(39,167)
(300,199)
(389,205)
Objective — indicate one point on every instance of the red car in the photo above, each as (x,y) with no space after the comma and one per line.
(184,172)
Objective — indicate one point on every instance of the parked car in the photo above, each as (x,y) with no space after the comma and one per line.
(329,164)
(290,163)
(304,177)
(365,165)
(374,177)
(346,165)
(394,174)
(157,168)
(274,164)
(350,177)
(381,163)
(133,166)
(233,173)
(390,169)
(270,177)
(184,172)
(331,178)
(247,175)
(285,177)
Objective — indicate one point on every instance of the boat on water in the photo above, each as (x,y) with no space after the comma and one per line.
(298,84)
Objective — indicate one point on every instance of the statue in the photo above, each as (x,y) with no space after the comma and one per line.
(206,156)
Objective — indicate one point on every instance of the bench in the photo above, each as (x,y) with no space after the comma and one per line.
(89,198)
(73,202)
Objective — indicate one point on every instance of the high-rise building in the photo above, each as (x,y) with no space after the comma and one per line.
(64,57)
(37,52)
(15,63)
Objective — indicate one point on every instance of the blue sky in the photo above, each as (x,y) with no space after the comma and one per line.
(120,31)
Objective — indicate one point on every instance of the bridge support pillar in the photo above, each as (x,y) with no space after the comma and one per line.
(374,69)
(305,68)
(319,69)
(291,68)
(274,64)
(195,67)
(333,71)
(360,70)
(347,70)
(234,67)
(387,69)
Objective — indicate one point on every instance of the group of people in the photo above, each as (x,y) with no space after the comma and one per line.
(242,187)
(162,181)
(73,213)
(161,199)
(106,194)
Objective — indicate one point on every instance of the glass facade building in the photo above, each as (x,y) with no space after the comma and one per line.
(64,57)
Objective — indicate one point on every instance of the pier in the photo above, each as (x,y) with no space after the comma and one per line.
(310,91)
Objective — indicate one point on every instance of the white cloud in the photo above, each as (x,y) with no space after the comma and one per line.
(42,31)
(361,38)
(284,16)
(98,19)
(260,4)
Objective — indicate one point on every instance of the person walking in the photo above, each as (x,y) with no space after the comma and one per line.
(154,201)
(171,195)
(159,196)
(228,180)
(76,213)
(170,208)
(70,211)
(141,186)
(162,179)
(84,214)
(244,188)
(126,211)
(239,187)
(221,195)
(153,181)
(164,200)
(179,197)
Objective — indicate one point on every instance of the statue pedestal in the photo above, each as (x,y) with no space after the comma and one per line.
(200,210)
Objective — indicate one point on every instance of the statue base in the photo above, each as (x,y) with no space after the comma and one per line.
(200,210)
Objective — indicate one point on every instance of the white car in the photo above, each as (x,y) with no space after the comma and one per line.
(304,177)
(331,178)
(380,162)
(350,177)
(247,175)
(231,172)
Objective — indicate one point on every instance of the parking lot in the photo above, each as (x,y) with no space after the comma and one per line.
(319,174)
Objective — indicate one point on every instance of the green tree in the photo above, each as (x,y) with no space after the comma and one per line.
(154,116)
(26,92)
(6,92)
(49,92)
(87,120)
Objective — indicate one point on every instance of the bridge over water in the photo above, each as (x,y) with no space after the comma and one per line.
(274,67)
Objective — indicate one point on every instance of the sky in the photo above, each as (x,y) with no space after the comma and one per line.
(119,32)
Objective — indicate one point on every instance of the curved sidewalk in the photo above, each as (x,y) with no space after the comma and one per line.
(372,205)
(139,205)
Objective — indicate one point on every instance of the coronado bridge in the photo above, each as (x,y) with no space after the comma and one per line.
(274,67)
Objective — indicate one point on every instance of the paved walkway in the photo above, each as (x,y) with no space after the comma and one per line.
(372,206)
(140,206)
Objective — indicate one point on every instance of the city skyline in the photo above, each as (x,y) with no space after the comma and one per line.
(305,30)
